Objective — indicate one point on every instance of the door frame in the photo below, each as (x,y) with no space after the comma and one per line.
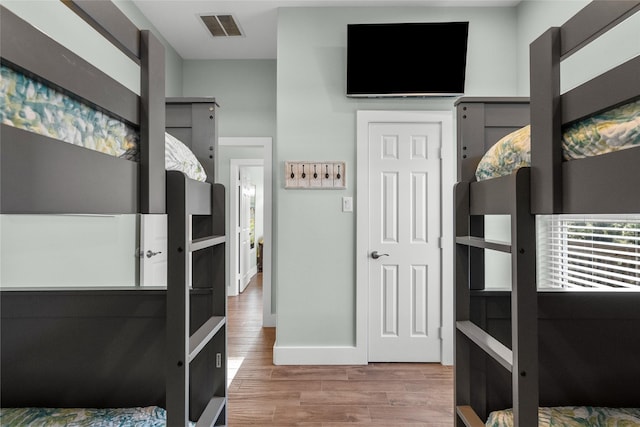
(234,168)
(268,315)
(448,179)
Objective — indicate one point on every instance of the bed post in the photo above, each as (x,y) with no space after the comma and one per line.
(546,120)
(152,126)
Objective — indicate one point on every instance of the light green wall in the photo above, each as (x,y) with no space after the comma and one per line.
(245,90)
(314,252)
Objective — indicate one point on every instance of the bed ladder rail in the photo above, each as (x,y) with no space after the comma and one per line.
(202,262)
(522,359)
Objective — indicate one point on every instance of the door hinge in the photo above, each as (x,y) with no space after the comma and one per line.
(439,242)
(439,333)
(440,153)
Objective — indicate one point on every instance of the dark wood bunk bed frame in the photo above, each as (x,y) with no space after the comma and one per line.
(112,348)
(526,349)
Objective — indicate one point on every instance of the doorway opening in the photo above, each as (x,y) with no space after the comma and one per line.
(249,155)
(246,219)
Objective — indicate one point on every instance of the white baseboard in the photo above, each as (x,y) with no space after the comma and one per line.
(283,355)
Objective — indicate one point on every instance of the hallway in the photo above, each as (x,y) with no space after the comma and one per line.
(379,394)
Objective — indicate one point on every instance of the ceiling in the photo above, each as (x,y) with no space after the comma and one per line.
(179,22)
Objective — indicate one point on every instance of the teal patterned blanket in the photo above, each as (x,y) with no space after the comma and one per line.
(30,105)
(573,416)
(150,416)
(612,130)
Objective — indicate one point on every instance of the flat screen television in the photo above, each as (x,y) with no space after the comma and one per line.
(406,59)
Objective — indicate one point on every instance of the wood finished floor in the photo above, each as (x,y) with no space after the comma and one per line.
(379,394)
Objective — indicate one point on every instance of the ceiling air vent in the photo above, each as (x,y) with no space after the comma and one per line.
(221,25)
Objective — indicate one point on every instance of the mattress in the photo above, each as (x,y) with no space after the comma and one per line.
(613,130)
(573,416)
(150,416)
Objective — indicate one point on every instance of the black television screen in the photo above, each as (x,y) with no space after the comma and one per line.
(406,59)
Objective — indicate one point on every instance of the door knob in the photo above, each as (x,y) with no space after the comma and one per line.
(376,255)
(151,253)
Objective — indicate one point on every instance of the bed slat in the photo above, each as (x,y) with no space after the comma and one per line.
(602,92)
(492,196)
(592,21)
(42,175)
(605,184)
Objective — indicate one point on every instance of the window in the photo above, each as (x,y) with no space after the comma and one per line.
(595,252)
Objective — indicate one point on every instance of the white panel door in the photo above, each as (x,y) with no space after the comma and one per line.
(244,232)
(405,257)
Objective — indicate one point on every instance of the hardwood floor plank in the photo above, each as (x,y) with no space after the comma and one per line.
(254,373)
(321,414)
(352,398)
(248,412)
(364,385)
(381,424)
(277,398)
(445,386)
(286,385)
(366,373)
(406,398)
(411,414)
(309,373)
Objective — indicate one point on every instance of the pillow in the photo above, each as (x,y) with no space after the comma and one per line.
(510,153)
(178,157)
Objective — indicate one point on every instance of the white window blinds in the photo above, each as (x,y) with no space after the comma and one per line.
(596,252)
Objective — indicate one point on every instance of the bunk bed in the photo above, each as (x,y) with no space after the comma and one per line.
(523,356)
(107,355)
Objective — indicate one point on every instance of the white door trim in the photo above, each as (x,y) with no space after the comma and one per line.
(268,315)
(445,118)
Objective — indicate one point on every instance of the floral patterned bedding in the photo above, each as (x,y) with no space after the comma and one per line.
(150,416)
(30,105)
(573,416)
(612,130)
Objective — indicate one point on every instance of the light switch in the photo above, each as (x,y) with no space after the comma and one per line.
(347,204)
